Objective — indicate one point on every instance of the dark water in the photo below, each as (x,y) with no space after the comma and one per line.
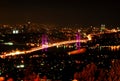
(56,64)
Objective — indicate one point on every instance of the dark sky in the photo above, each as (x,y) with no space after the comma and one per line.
(60,11)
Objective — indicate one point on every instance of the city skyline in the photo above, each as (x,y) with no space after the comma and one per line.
(60,12)
(62,40)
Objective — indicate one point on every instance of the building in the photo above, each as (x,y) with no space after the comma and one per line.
(102,27)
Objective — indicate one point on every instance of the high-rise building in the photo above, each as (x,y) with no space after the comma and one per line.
(102,27)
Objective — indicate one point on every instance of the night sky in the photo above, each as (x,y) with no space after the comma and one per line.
(62,12)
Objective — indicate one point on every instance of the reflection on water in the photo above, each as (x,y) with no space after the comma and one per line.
(99,63)
(102,64)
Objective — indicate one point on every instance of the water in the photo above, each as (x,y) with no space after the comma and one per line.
(56,64)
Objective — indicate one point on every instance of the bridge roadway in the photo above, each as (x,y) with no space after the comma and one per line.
(51,45)
(41,47)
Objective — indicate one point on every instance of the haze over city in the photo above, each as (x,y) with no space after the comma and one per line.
(60,12)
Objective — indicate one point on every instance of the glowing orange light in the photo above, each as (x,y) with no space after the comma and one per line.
(80,51)
(89,37)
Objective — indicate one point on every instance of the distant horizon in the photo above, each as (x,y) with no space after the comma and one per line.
(83,25)
(63,11)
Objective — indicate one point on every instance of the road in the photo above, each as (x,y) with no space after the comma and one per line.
(41,47)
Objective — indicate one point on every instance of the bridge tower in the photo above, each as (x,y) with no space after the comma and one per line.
(44,42)
(78,45)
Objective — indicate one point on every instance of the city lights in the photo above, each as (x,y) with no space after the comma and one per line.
(58,53)
(62,40)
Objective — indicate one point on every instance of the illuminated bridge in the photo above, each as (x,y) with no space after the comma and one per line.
(46,45)
(42,47)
